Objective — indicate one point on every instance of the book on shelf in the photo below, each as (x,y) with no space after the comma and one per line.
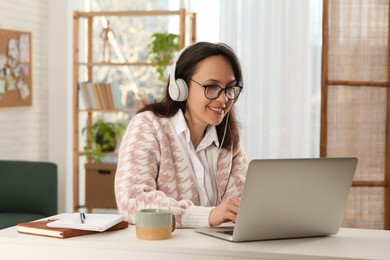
(101,96)
(117,95)
(91,93)
(107,96)
(40,228)
(110,98)
(85,95)
(98,95)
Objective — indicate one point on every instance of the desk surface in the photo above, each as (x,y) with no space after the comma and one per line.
(187,244)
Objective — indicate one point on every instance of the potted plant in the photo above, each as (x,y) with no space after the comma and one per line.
(162,50)
(102,137)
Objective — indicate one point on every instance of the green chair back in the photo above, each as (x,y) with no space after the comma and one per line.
(28,191)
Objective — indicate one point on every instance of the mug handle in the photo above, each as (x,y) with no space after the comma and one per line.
(173,222)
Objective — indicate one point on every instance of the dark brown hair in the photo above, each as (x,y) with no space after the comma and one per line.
(186,67)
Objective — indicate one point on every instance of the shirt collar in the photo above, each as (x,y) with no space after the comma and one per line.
(181,127)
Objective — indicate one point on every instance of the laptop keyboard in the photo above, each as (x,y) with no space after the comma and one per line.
(227,232)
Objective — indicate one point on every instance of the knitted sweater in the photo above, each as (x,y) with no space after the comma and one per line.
(154,171)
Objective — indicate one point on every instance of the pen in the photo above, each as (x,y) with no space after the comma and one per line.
(82,217)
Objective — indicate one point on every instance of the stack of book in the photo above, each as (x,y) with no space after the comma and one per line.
(101,96)
(70,225)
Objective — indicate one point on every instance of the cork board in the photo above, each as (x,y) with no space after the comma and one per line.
(15,69)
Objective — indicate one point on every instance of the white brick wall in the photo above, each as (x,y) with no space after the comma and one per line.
(43,132)
(23,131)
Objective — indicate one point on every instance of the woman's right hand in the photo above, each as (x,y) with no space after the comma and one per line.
(224,212)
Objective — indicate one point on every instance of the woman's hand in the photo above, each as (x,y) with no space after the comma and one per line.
(224,212)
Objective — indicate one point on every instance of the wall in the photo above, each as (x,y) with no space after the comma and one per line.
(42,132)
(59,80)
(23,131)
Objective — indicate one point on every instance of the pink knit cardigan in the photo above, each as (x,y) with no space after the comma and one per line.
(154,171)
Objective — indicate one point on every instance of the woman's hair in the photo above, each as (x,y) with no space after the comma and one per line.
(186,67)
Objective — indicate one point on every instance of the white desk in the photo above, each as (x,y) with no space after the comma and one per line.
(187,244)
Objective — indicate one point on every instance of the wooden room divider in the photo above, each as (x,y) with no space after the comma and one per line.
(355,103)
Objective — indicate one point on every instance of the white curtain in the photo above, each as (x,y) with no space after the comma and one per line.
(279,45)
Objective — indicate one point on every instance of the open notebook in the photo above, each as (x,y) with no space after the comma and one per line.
(291,198)
(92,222)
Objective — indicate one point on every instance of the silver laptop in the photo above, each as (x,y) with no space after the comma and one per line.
(291,198)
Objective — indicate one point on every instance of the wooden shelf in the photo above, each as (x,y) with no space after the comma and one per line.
(82,153)
(89,63)
(127,110)
(138,63)
(131,13)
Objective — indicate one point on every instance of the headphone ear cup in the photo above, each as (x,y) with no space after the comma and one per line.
(182,88)
(178,90)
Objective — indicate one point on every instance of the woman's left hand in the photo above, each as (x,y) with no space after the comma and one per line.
(224,212)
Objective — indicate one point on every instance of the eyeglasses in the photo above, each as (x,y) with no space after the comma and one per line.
(214,91)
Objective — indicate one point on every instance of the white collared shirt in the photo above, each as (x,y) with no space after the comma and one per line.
(202,169)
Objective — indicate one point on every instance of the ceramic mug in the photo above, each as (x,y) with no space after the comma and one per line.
(155,224)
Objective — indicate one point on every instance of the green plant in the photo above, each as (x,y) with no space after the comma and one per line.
(102,137)
(162,50)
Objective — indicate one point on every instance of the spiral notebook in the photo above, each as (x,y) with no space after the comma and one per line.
(92,222)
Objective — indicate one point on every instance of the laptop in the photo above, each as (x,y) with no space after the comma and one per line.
(291,198)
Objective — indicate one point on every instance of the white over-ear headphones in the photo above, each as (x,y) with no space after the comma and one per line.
(177,88)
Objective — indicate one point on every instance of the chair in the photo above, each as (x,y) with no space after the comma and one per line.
(28,191)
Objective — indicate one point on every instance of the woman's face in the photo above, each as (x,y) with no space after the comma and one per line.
(214,70)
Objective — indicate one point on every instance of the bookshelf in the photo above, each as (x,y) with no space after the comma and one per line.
(85,63)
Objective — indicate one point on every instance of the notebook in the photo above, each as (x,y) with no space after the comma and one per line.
(291,198)
(92,222)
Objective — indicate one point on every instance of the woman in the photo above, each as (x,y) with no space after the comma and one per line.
(184,152)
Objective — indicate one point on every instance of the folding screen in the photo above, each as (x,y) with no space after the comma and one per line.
(355,103)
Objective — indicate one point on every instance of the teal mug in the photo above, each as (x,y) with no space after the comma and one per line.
(155,224)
